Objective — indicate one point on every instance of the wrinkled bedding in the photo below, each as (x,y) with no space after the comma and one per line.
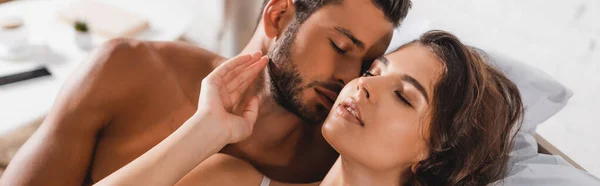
(531,168)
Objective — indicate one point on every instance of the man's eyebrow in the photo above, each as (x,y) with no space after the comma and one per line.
(350,36)
(418,85)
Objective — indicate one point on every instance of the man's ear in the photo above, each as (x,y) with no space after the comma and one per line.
(277,15)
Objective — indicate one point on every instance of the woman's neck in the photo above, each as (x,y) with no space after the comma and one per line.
(349,173)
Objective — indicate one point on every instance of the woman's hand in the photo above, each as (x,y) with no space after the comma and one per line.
(222,89)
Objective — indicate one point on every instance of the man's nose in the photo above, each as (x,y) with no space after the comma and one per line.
(345,73)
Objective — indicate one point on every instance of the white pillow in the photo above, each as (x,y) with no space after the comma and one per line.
(542,95)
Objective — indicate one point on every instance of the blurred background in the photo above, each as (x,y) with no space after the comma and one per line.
(560,38)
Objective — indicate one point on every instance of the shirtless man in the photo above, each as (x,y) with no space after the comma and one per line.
(131,95)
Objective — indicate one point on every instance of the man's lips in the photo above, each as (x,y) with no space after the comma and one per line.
(349,110)
(327,96)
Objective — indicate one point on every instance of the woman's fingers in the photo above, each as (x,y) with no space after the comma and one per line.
(222,70)
(247,75)
(237,86)
(241,68)
(216,79)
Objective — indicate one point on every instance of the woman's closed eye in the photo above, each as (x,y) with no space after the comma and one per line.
(398,93)
(403,99)
(367,74)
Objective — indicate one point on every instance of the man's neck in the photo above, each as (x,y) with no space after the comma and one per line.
(275,127)
(258,42)
(349,173)
(281,145)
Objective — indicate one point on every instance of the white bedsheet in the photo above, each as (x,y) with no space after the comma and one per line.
(530,168)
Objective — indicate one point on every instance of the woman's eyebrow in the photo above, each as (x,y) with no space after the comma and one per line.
(408,79)
(416,84)
(384,60)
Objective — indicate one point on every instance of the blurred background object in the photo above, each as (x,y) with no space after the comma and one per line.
(106,20)
(13,38)
(227,27)
(83,37)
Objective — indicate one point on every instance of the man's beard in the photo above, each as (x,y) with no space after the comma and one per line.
(286,82)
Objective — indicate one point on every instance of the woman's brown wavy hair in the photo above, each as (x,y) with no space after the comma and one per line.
(475,109)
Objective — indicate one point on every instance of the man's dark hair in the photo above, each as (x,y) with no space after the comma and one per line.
(394,10)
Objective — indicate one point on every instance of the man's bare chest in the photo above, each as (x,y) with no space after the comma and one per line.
(143,124)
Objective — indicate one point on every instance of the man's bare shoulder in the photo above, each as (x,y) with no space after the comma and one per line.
(129,66)
(163,57)
(179,54)
(123,68)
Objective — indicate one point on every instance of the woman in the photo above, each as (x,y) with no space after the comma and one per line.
(430,113)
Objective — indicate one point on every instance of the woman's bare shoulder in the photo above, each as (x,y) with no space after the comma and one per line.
(222,169)
(276,183)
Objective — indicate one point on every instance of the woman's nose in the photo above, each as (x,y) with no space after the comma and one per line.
(363,88)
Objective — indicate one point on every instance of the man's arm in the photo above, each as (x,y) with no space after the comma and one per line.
(60,151)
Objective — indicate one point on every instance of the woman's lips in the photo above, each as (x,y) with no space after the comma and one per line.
(350,111)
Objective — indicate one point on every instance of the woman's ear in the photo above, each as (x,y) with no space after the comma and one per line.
(423,155)
(277,15)
(413,167)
